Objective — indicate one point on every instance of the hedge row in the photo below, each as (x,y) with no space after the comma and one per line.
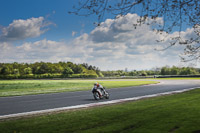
(47,76)
(84,76)
(178,76)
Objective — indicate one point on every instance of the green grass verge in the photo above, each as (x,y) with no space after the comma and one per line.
(27,87)
(186,78)
(173,113)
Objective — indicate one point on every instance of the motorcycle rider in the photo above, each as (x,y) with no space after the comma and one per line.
(98,86)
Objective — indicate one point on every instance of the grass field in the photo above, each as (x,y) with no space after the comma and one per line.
(173,113)
(186,78)
(27,87)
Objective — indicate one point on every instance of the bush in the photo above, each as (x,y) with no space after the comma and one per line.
(31,76)
(27,76)
(84,76)
(10,76)
(48,75)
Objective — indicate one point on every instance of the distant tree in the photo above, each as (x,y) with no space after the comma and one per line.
(165,70)
(133,73)
(43,68)
(174,71)
(120,73)
(16,65)
(57,68)
(85,65)
(28,70)
(99,73)
(188,71)
(67,71)
(198,70)
(90,67)
(16,71)
(5,70)
(143,73)
(78,69)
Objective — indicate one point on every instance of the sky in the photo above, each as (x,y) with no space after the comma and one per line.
(42,30)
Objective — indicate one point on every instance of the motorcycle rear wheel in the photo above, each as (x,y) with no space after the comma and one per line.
(96,96)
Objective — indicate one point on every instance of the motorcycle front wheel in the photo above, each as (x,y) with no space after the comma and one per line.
(107,96)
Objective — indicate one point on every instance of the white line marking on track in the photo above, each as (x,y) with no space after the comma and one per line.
(91,104)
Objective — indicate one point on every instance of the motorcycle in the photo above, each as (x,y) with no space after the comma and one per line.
(100,94)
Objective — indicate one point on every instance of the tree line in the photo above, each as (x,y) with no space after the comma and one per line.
(166,70)
(179,71)
(39,70)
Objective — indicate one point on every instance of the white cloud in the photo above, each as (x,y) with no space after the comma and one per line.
(47,50)
(116,44)
(121,29)
(74,33)
(22,29)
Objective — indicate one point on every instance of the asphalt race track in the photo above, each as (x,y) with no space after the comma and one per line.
(28,103)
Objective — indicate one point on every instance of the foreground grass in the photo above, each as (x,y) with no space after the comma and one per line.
(175,113)
(26,87)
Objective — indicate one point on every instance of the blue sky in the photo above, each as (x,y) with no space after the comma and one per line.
(42,30)
(54,11)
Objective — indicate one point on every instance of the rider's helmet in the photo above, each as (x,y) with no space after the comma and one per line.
(96,84)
